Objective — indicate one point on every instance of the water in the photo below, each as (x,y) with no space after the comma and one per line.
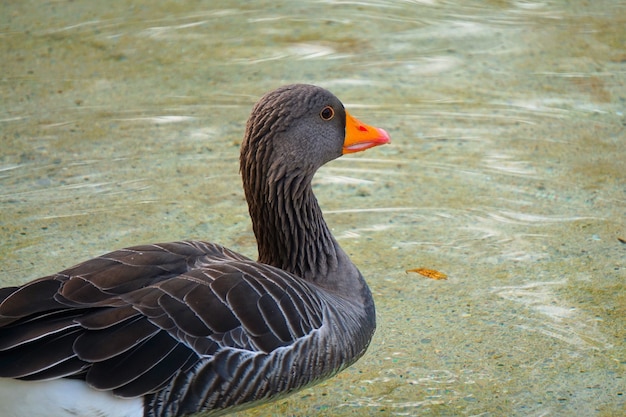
(120,125)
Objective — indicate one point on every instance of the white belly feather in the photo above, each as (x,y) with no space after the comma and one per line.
(62,398)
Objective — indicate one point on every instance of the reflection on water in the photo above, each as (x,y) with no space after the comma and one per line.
(562,322)
(120,125)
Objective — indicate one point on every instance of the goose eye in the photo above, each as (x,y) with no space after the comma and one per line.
(327,113)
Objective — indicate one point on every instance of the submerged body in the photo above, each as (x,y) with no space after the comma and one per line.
(176,328)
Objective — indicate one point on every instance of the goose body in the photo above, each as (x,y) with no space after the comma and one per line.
(176,328)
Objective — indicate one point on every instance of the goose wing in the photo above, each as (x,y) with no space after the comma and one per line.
(132,320)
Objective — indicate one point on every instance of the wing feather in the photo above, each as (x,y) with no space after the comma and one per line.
(107,343)
(136,320)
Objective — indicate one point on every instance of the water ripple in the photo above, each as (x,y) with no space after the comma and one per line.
(563,322)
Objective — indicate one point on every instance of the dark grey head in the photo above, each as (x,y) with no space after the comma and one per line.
(294,129)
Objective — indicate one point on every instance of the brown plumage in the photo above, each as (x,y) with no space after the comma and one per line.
(192,326)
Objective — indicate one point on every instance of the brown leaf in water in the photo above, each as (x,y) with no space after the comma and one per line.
(428,273)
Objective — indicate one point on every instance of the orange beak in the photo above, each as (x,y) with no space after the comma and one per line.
(360,136)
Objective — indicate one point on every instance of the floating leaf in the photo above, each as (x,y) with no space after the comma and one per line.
(428,273)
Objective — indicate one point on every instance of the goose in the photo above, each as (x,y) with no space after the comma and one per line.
(172,329)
